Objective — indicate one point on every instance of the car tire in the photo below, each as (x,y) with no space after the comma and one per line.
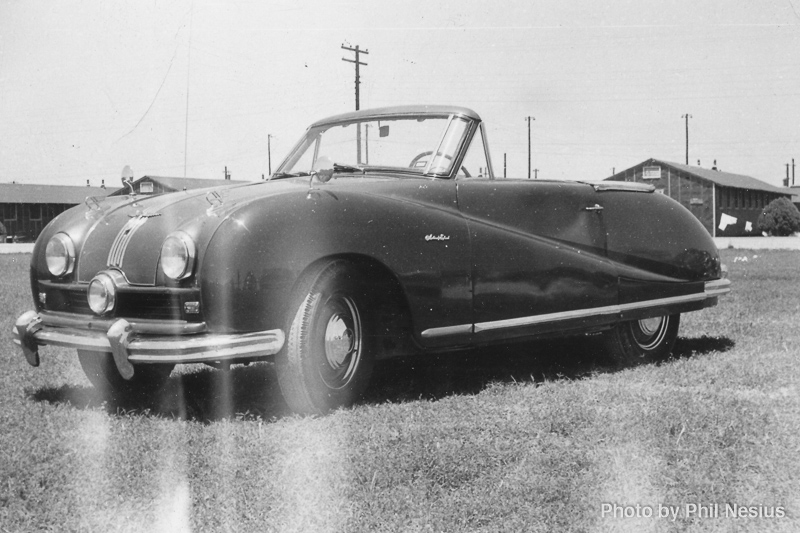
(328,358)
(102,372)
(642,341)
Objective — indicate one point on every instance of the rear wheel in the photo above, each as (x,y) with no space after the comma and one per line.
(147,380)
(328,358)
(642,341)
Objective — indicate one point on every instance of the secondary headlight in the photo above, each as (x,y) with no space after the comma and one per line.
(177,255)
(60,254)
(102,294)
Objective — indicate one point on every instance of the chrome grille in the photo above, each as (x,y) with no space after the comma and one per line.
(117,252)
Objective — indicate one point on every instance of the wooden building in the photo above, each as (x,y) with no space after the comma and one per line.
(25,209)
(795,190)
(161,184)
(727,204)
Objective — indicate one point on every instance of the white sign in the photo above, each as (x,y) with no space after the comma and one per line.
(651,173)
(725,221)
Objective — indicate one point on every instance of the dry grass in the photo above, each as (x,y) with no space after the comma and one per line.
(532,437)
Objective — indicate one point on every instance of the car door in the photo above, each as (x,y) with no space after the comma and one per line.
(538,257)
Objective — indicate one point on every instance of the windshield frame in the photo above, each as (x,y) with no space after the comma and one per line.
(313,134)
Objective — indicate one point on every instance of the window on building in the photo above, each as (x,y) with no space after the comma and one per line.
(35,211)
(651,173)
(10,212)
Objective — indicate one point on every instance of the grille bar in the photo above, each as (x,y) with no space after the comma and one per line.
(117,252)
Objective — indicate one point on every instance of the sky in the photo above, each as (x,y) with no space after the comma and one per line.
(176,88)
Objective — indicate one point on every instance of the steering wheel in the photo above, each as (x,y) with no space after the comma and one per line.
(416,159)
(433,170)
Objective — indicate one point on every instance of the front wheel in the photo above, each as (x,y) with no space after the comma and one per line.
(642,341)
(327,361)
(147,380)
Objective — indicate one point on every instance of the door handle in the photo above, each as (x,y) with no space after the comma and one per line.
(595,207)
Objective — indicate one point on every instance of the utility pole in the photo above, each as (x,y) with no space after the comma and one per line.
(687,116)
(188,70)
(358,63)
(529,118)
(269,154)
(504,164)
(793,172)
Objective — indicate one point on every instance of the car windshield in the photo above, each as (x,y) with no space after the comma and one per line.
(404,143)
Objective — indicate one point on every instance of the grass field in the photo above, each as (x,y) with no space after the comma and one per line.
(533,437)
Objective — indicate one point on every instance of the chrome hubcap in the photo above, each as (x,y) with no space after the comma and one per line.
(342,341)
(338,341)
(650,332)
(650,325)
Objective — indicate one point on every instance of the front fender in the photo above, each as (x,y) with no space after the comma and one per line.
(256,256)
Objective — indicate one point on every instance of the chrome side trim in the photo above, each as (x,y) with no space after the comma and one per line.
(447,330)
(544,319)
(712,289)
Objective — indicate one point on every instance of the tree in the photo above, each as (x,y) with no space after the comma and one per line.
(780,218)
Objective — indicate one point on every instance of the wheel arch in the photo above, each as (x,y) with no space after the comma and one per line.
(392,311)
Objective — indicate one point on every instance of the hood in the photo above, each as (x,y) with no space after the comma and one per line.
(128,234)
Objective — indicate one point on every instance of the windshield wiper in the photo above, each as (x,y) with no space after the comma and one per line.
(347,168)
(281,175)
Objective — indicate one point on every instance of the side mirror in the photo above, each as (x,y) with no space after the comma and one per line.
(383,131)
(323,175)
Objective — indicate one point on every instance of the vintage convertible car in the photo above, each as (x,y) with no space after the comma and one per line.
(383,233)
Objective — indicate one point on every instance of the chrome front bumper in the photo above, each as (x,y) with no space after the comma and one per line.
(140,341)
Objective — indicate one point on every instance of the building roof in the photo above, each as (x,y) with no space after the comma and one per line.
(725,179)
(33,193)
(179,184)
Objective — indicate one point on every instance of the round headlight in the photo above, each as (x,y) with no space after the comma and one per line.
(60,254)
(102,294)
(177,255)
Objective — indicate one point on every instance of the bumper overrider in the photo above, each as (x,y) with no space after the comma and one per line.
(140,341)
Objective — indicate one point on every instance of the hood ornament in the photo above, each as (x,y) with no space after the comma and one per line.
(127,180)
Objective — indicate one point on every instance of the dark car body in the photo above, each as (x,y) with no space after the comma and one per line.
(436,257)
